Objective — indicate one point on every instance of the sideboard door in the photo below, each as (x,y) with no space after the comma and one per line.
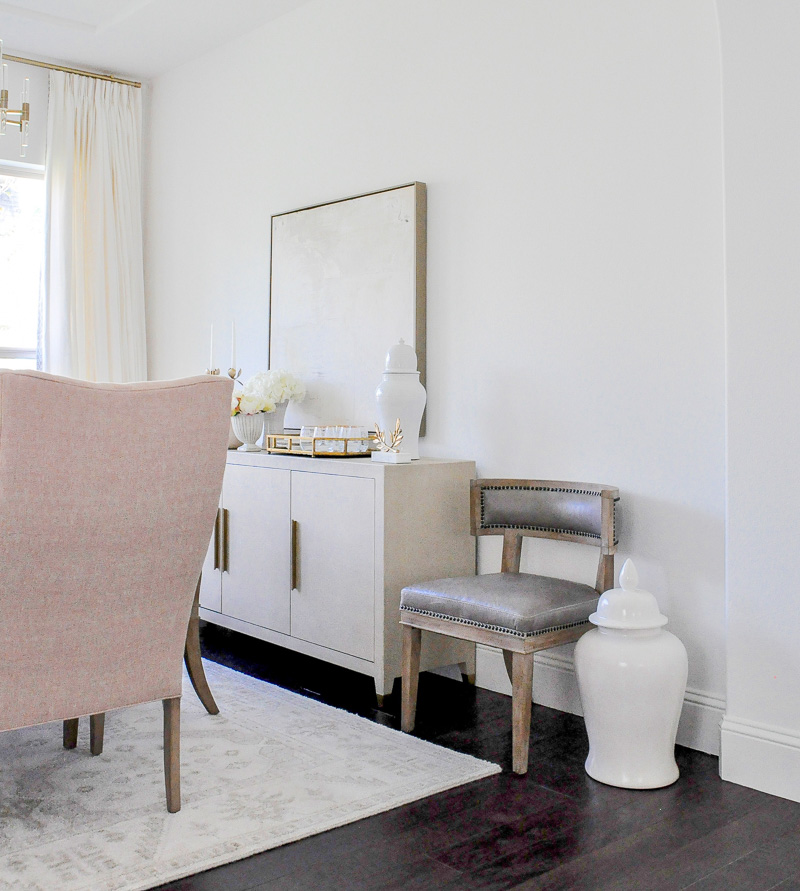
(333,601)
(257,532)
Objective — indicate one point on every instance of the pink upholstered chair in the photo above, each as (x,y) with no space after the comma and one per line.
(108,494)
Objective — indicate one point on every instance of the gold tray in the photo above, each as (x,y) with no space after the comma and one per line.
(316,446)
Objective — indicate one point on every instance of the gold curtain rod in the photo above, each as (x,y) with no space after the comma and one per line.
(110,77)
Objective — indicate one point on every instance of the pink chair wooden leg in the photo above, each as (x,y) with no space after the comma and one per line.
(70,733)
(97,725)
(191,656)
(172,753)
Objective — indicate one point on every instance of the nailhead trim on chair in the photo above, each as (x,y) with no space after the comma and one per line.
(500,628)
(592,535)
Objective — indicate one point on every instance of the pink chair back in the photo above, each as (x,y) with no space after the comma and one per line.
(108,494)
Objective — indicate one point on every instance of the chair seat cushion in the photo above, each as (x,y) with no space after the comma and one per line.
(517,603)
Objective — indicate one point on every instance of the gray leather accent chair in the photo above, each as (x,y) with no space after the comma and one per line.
(518,612)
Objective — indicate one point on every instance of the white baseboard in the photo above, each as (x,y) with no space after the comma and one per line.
(761,756)
(555,685)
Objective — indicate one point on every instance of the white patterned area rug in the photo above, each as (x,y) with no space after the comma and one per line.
(271,768)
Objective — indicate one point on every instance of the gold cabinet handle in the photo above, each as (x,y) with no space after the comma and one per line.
(226,567)
(217,541)
(295,553)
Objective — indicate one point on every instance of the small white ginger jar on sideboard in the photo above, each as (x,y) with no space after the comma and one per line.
(632,679)
(401,395)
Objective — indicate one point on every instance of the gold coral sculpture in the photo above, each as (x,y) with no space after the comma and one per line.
(395,438)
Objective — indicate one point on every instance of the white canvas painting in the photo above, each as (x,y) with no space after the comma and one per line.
(347,282)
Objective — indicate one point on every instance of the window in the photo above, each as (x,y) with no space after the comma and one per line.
(22,211)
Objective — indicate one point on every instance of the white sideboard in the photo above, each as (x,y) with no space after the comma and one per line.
(311,554)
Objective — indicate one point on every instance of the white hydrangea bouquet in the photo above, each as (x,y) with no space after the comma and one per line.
(265,391)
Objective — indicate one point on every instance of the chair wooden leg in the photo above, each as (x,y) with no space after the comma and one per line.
(507,658)
(522,689)
(97,725)
(70,733)
(605,573)
(172,753)
(191,656)
(412,640)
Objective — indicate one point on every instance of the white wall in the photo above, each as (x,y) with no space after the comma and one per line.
(572,153)
(761,88)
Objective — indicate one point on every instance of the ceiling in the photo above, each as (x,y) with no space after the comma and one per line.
(139,39)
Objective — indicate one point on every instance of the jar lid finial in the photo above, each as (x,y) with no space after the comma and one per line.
(401,358)
(628,607)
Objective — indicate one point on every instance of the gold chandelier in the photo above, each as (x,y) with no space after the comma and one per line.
(16,117)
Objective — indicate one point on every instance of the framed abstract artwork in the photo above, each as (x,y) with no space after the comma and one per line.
(347,281)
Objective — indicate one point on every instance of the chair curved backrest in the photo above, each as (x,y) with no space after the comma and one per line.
(108,494)
(565,511)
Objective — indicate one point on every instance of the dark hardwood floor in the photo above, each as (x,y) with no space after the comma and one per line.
(552,829)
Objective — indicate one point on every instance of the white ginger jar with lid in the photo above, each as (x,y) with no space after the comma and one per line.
(632,679)
(401,395)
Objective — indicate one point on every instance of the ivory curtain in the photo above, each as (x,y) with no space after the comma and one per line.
(94,319)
